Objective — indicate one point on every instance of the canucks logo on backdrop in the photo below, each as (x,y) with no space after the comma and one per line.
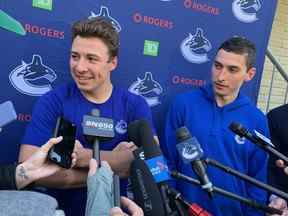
(148,88)
(246,10)
(34,78)
(194,48)
(104,12)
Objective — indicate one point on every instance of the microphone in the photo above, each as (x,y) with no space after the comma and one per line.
(193,209)
(191,152)
(134,136)
(155,161)
(96,129)
(258,139)
(145,190)
(246,201)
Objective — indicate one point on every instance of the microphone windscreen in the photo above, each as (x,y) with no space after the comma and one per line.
(150,147)
(145,190)
(134,132)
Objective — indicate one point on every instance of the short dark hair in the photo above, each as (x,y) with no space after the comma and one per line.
(241,46)
(101,28)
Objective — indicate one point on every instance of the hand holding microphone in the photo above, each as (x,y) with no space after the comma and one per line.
(100,193)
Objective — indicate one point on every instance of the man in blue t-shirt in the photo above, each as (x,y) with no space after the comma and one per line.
(94,51)
(207,113)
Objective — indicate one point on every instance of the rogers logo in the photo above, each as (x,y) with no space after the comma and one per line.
(24,117)
(149,20)
(44,31)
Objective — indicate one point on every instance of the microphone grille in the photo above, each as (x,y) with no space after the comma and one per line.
(237,128)
(182,134)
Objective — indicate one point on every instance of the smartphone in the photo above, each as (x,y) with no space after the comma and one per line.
(61,152)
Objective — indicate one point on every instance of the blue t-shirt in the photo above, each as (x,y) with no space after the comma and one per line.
(67,101)
(198,111)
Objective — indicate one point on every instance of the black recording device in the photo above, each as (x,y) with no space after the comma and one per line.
(61,152)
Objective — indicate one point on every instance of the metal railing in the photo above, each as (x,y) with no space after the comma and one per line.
(277,68)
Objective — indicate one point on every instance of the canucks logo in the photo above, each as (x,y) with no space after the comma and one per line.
(33,78)
(147,88)
(121,127)
(239,140)
(246,10)
(104,12)
(195,47)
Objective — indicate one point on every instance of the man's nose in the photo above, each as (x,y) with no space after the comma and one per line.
(81,65)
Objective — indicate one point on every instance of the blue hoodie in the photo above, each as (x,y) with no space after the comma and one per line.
(198,111)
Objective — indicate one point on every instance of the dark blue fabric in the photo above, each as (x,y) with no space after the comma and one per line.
(198,111)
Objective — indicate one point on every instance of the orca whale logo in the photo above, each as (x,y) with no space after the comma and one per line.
(121,127)
(194,48)
(147,88)
(32,79)
(246,10)
(104,12)
(239,140)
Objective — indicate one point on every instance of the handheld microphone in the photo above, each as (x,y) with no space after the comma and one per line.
(156,162)
(96,129)
(145,190)
(191,152)
(258,139)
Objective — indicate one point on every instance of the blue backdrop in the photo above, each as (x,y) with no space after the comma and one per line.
(167,45)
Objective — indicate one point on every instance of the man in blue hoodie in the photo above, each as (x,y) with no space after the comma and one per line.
(207,113)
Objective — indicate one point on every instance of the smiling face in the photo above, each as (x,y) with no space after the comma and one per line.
(91,65)
(229,72)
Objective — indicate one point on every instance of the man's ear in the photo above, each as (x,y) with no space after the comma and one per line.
(113,63)
(250,74)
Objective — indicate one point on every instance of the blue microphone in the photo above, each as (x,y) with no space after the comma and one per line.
(191,152)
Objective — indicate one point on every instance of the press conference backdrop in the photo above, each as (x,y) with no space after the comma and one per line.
(167,47)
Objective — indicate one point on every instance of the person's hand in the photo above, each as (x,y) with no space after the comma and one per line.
(124,156)
(38,166)
(82,154)
(122,146)
(280,204)
(132,207)
(281,164)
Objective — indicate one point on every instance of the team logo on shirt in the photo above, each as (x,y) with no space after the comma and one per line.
(194,48)
(34,78)
(148,88)
(246,10)
(121,127)
(239,140)
(104,12)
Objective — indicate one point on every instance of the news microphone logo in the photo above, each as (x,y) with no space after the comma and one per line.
(98,126)
(159,169)
(190,152)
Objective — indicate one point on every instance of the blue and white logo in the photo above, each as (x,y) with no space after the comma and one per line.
(246,10)
(148,88)
(195,47)
(121,127)
(104,12)
(34,78)
(239,140)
